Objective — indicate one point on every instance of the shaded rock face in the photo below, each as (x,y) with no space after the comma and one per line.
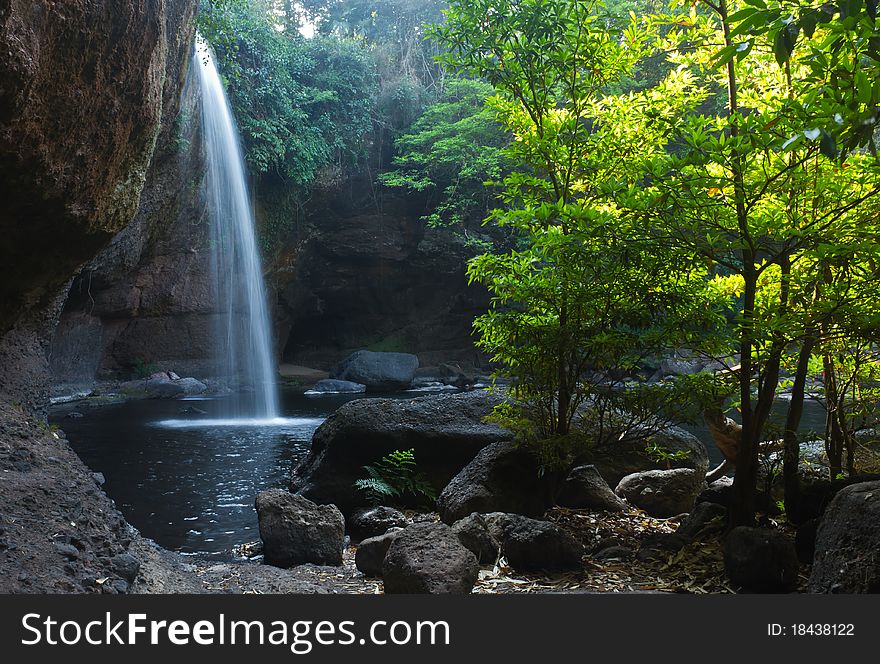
(378,371)
(86,86)
(428,558)
(371,552)
(706,518)
(148,299)
(296,531)
(585,488)
(445,432)
(847,558)
(760,560)
(533,545)
(473,533)
(501,478)
(368,271)
(82,101)
(719,492)
(662,493)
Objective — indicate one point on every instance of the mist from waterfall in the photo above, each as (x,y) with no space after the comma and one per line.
(243,338)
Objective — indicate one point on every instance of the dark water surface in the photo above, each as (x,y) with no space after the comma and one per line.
(188,480)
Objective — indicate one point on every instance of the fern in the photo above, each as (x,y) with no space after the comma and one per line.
(394,478)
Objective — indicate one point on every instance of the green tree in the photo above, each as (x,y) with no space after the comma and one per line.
(302,105)
(761,193)
(587,298)
(450,152)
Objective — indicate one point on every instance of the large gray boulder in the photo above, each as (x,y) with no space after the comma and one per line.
(662,493)
(532,545)
(428,558)
(584,488)
(847,558)
(503,477)
(296,531)
(445,432)
(616,458)
(760,560)
(378,371)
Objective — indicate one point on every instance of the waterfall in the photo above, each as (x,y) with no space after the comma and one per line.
(244,342)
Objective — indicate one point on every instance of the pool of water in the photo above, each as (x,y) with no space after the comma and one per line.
(184,476)
(187,478)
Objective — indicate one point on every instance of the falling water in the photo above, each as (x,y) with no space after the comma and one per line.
(243,341)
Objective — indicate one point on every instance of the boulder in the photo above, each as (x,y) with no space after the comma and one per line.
(719,492)
(760,560)
(164,388)
(584,488)
(497,523)
(615,459)
(371,552)
(445,432)
(662,493)
(503,477)
(473,533)
(331,386)
(126,566)
(532,545)
(296,531)
(378,371)
(374,521)
(705,519)
(848,542)
(428,558)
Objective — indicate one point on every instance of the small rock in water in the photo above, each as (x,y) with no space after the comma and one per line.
(99,478)
(192,410)
(332,386)
(73,415)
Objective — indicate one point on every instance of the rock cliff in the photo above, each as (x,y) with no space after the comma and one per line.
(85,89)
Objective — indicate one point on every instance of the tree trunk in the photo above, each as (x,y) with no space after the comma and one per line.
(792,448)
(742,509)
(834,439)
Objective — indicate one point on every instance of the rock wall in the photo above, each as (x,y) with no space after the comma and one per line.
(85,86)
(370,274)
(146,299)
(357,273)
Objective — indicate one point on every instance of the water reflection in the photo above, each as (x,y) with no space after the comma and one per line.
(186,478)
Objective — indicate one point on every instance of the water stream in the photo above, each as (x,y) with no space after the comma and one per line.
(243,338)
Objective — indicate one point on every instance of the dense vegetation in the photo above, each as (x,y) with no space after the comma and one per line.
(700,177)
